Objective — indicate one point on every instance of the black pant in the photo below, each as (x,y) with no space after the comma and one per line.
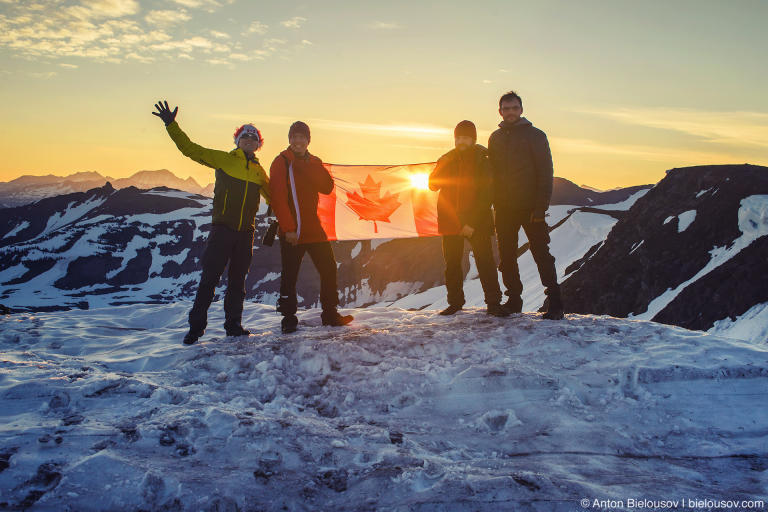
(507,228)
(325,263)
(453,251)
(225,245)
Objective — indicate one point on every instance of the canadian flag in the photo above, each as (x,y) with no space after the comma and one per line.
(379,201)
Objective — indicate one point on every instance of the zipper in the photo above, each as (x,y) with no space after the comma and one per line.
(226,193)
(242,207)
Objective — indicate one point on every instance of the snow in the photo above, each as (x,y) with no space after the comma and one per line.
(627,203)
(379,241)
(569,242)
(271,276)
(356,250)
(685,219)
(702,192)
(71,214)
(636,246)
(180,194)
(753,224)
(19,227)
(752,325)
(106,410)
(668,219)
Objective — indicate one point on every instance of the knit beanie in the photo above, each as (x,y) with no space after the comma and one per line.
(466,128)
(248,128)
(300,128)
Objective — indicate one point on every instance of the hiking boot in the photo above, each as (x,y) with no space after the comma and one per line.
(450,310)
(513,305)
(497,310)
(554,314)
(288,324)
(236,330)
(333,318)
(192,336)
(554,306)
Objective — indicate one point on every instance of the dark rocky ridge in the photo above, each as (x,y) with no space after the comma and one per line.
(618,281)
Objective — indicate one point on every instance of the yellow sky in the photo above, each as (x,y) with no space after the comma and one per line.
(624,90)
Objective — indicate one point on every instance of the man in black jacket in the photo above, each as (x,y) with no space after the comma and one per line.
(521,164)
(464,212)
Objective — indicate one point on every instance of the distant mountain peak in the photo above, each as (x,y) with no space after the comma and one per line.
(84,176)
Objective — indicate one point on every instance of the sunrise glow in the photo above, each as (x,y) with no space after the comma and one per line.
(420,181)
(95,69)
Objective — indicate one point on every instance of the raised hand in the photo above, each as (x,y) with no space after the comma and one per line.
(164,112)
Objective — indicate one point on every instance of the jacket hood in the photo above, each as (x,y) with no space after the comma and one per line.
(291,156)
(520,123)
(239,152)
(473,148)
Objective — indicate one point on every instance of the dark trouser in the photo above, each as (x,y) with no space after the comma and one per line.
(507,228)
(325,263)
(453,251)
(225,245)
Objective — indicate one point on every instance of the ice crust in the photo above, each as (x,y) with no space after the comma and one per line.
(107,410)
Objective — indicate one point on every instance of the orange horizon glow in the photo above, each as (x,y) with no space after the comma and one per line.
(382,85)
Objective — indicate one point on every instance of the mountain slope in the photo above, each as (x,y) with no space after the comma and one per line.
(689,252)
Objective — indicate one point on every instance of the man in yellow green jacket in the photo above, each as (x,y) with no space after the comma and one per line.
(240,180)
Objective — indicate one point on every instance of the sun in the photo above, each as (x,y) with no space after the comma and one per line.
(420,180)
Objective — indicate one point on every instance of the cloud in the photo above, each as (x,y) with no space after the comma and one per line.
(382,25)
(69,66)
(257,27)
(219,62)
(140,58)
(44,75)
(741,129)
(166,18)
(187,45)
(209,5)
(220,35)
(100,9)
(113,31)
(295,22)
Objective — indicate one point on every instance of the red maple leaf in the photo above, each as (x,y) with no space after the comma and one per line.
(371,205)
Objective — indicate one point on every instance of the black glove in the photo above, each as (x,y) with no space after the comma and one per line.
(271,232)
(164,112)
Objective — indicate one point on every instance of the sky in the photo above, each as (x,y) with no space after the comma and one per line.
(624,90)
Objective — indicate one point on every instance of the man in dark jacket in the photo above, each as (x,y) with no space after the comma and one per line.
(239,182)
(521,165)
(296,179)
(464,212)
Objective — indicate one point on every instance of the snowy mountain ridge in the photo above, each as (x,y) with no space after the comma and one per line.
(682,253)
(28,189)
(109,247)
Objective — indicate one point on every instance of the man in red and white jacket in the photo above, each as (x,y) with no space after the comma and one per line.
(296,178)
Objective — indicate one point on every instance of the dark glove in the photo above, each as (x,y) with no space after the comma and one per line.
(164,112)
(269,235)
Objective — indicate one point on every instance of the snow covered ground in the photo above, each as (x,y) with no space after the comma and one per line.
(106,410)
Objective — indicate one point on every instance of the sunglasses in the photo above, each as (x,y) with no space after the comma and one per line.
(250,136)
